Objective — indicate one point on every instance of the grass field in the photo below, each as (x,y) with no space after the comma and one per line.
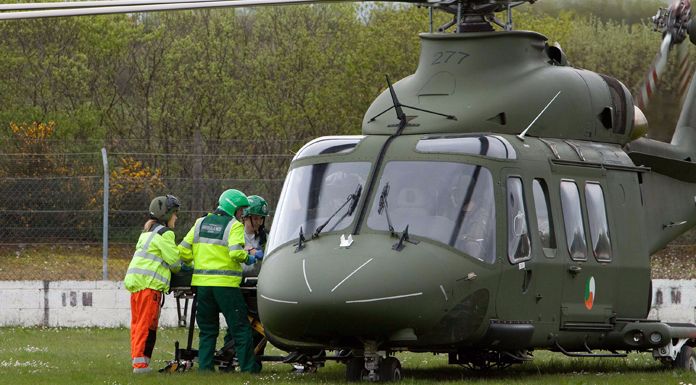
(35,356)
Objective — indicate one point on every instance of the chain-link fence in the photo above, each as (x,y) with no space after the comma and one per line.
(51,203)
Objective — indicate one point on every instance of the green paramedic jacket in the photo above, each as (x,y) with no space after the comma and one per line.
(155,255)
(215,244)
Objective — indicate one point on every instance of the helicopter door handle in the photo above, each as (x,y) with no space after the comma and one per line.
(574,269)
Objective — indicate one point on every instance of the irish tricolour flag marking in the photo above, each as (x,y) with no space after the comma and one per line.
(589,293)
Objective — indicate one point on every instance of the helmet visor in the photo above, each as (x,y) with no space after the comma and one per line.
(172,203)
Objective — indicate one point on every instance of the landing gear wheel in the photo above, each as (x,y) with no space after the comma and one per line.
(686,359)
(355,369)
(390,370)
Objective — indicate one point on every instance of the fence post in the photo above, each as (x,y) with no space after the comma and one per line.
(105,225)
(197,193)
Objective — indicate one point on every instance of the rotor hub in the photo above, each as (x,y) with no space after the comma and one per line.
(476,15)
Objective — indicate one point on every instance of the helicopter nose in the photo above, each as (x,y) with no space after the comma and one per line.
(322,293)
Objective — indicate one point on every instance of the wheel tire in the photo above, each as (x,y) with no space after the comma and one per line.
(355,369)
(390,370)
(686,359)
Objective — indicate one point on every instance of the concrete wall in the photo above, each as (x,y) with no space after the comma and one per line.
(71,304)
(107,303)
(674,300)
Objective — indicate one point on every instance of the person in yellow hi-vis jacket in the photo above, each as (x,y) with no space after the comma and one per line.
(215,244)
(148,277)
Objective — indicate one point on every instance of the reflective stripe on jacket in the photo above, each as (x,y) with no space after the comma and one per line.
(215,244)
(155,254)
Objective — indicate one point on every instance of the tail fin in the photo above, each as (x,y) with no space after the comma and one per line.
(684,138)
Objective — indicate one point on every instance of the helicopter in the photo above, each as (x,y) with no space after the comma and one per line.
(498,201)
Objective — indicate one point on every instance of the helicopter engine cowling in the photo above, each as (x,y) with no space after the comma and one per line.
(501,82)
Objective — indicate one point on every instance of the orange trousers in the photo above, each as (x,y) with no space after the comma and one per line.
(145,312)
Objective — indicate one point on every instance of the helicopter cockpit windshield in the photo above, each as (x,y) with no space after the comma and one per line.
(451,203)
(312,195)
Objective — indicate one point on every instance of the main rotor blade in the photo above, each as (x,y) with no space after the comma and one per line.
(91,4)
(657,68)
(107,7)
(109,10)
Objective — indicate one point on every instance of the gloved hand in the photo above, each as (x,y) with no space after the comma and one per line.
(259,254)
(250,260)
(186,268)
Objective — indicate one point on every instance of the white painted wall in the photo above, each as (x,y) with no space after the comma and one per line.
(107,303)
(71,304)
(674,300)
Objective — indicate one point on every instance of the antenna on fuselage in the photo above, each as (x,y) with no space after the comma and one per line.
(523,133)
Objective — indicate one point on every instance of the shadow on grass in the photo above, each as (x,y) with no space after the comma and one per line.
(533,370)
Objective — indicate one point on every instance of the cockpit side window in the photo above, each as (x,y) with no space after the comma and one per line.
(572,219)
(542,206)
(484,145)
(451,203)
(519,246)
(599,227)
(329,145)
(311,195)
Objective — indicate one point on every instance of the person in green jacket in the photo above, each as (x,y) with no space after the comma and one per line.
(215,244)
(254,219)
(148,276)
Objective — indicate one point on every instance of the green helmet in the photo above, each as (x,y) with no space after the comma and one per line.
(257,206)
(231,200)
(162,207)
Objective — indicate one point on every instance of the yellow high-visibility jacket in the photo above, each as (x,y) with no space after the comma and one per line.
(215,244)
(156,254)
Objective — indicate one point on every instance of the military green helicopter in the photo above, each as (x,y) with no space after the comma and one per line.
(498,201)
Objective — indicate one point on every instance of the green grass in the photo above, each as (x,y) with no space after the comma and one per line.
(101,356)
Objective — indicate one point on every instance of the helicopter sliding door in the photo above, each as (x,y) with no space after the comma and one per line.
(589,284)
(517,286)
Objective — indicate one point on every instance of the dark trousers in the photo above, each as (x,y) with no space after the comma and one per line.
(230,302)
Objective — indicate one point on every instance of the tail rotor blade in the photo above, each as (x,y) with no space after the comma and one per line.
(672,23)
(657,68)
(686,70)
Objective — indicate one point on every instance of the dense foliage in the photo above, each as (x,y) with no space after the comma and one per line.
(282,72)
(230,93)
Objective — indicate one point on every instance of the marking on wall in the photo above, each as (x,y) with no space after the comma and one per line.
(675,295)
(385,298)
(351,274)
(87,298)
(658,297)
(45,307)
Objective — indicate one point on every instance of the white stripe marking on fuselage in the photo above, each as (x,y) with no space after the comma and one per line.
(444,293)
(278,300)
(304,271)
(385,298)
(351,274)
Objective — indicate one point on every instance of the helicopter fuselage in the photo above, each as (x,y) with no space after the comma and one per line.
(444,291)
(506,215)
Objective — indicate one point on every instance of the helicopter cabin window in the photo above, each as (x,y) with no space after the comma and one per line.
(329,145)
(451,203)
(485,145)
(542,205)
(572,218)
(519,247)
(316,195)
(597,216)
